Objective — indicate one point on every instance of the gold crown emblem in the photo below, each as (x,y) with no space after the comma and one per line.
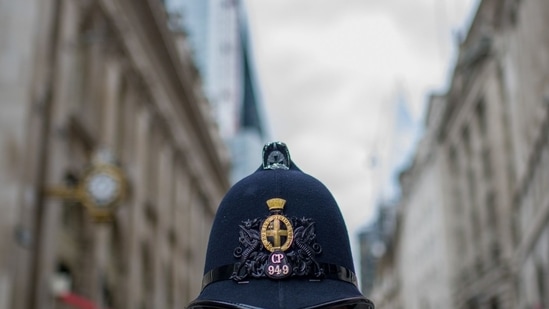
(276,203)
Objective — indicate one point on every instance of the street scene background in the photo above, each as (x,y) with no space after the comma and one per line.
(123,123)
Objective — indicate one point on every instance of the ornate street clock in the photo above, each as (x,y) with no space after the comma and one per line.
(101,190)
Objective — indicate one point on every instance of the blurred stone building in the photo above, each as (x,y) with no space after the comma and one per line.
(217,34)
(80,79)
(473,220)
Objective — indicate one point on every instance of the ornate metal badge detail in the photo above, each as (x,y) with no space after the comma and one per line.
(277,232)
(277,246)
(276,156)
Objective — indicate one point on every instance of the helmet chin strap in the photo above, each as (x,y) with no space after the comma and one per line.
(330,271)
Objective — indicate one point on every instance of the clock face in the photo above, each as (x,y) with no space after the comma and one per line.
(103,188)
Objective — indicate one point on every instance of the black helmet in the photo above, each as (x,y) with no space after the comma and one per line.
(279,241)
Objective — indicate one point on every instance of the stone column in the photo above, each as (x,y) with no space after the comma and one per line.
(131,288)
(56,153)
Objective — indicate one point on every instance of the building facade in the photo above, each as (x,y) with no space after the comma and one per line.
(486,141)
(423,256)
(219,40)
(524,62)
(80,79)
(373,241)
(393,153)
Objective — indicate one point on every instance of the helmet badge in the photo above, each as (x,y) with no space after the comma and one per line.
(277,246)
(277,235)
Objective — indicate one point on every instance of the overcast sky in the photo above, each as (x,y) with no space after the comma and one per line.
(330,70)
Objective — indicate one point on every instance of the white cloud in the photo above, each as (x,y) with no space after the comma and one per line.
(328,70)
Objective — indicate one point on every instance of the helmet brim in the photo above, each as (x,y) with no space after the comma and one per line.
(287,294)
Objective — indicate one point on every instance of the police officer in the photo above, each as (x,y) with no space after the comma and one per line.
(279,241)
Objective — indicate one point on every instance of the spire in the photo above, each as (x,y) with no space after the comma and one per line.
(249,117)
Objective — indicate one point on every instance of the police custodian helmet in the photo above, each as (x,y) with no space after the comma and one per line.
(279,241)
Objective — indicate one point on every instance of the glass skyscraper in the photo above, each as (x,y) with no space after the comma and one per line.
(218,35)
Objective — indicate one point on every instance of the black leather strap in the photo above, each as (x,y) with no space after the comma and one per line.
(220,273)
(331,271)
